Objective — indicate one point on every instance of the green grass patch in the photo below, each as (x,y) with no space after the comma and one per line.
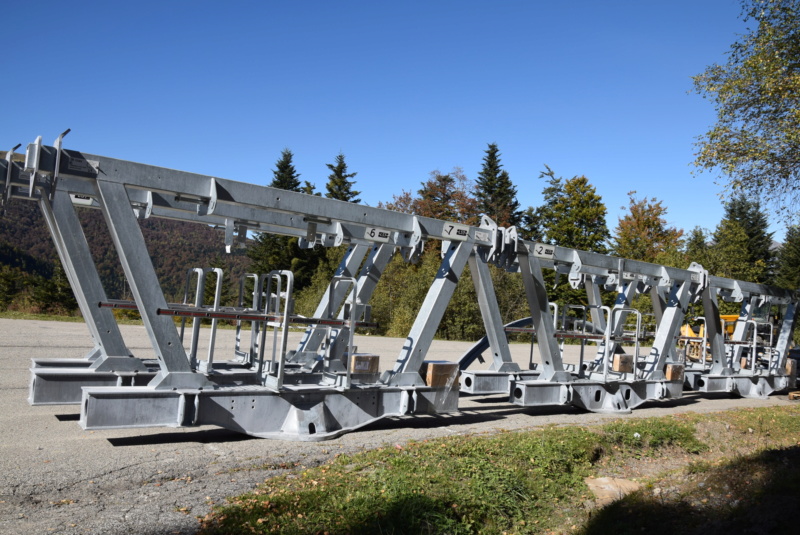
(648,434)
(513,482)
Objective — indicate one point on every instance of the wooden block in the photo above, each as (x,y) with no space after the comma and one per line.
(364,363)
(791,367)
(674,372)
(622,363)
(794,396)
(439,373)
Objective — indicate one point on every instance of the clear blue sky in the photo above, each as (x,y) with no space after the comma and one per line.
(595,88)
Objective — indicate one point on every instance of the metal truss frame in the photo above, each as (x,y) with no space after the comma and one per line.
(312,392)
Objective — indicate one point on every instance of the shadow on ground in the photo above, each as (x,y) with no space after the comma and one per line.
(758,494)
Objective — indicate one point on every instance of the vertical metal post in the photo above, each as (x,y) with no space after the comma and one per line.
(536,293)
(719,360)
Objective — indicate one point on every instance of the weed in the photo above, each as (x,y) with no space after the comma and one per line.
(649,434)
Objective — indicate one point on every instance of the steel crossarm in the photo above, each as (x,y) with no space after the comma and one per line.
(209,192)
(229,217)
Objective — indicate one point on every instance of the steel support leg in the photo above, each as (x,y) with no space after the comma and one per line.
(132,250)
(409,362)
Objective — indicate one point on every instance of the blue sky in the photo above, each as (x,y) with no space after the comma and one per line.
(591,88)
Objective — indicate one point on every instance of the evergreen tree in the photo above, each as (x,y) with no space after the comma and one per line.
(696,243)
(729,255)
(496,195)
(573,214)
(749,216)
(643,233)
(339,185)
(436,197)
(270,251)
(309,189)
(284,175)
(788,265)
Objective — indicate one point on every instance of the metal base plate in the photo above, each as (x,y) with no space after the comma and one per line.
(305,413)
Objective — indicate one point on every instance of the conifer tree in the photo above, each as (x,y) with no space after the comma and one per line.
(496,195)
(573,214)
(749,216)
(729,255)
(339,185)
(788,266)
(285,176)
(696,247)
(270,251)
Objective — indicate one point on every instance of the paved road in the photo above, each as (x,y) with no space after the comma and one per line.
(57,478)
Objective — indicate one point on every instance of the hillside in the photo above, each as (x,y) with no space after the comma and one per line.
(28,258)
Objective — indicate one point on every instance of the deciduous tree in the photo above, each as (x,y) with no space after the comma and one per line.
(755,142)
(643,233)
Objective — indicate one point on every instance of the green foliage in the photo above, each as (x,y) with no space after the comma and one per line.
(509,482)
(402,290)
(284,175)
(572,215)
(339,185)
(495,194)
(271,251)
(653,433)
(729,256)
(788,265)
(696,246)
(643,233)
(749,216)
(756,94)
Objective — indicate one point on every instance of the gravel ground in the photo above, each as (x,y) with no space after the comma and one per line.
(57,478)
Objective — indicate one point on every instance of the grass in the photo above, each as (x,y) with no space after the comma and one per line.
(459,485)
(533,481)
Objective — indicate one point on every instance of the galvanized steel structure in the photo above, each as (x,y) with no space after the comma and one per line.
(313,392)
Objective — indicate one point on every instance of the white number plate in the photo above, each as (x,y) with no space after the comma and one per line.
(456,232)
(542,250)
(377,234)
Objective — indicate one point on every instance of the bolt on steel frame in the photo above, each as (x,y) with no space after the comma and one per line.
(314,392)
